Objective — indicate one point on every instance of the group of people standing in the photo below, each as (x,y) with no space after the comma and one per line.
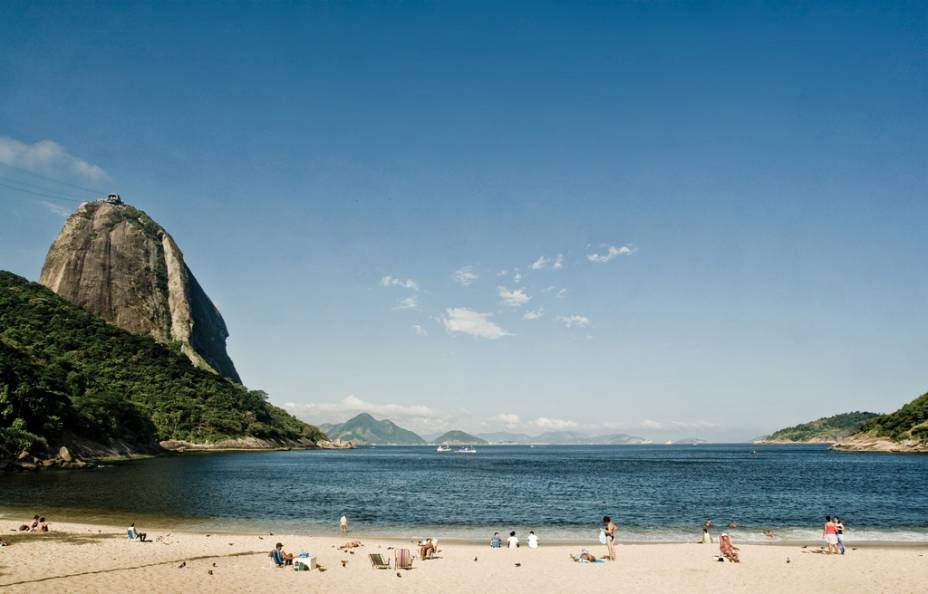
(833,532)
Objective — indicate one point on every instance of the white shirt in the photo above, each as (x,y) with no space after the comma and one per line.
(513,541)
(343,521)
(532,541)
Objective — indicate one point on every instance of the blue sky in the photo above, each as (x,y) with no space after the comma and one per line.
(760,172)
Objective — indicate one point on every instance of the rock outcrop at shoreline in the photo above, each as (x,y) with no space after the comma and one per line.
(114,261)
(905,430)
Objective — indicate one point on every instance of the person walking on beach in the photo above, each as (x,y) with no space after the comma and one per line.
(609,528)
(839,534)
(830,533)
(343,523)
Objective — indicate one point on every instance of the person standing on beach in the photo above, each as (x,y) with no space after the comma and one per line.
(839,534)
(830,532)
(343,523)
(609,528)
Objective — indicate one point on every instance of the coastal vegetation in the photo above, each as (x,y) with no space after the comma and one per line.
(908,424)
(825,429)
(67,376)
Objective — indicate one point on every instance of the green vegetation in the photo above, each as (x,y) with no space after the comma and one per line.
(459,438)
(365,429)
(908,423)
(66,374)
(824,429)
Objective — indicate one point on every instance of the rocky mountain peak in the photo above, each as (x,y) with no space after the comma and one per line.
(116,262)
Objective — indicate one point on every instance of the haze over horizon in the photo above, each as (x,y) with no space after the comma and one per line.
(668,220)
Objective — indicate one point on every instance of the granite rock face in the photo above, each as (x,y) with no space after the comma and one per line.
(116,262)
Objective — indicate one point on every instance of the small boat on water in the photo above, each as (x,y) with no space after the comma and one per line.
(466,450)
(442,449)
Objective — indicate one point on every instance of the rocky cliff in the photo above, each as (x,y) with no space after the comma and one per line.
(116,262)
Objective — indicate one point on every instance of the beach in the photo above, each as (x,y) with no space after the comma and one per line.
(76,557)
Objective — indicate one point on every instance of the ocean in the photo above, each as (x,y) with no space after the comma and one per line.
(654,493)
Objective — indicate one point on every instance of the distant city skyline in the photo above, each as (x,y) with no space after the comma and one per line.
(667,220)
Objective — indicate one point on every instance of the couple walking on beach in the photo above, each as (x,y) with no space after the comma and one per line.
(833,531)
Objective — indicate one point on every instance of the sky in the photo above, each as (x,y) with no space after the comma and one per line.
(663,219)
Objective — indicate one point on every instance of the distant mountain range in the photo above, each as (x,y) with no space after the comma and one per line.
(366,430)
(459,438)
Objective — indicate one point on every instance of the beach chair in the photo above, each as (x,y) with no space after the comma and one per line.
(378,562)
(403,559)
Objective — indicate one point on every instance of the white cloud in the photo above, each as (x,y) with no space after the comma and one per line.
(511,421)
(517,277)
(57,209)
(561,294)
(514,298)
(611,253)
(649,424)
(465,276)
(574,320)
(328,412)
(502,273)
(46,156)
(557,263)
(392,281)
(534,314)
(466,321)
(553,424)
(411,302)
(419,330)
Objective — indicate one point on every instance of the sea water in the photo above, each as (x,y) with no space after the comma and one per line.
(654,493)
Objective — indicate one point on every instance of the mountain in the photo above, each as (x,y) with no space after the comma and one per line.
(690,441)
(114,261)
(905,430)
(505,437)
(824,430)
(562,437)
(67,378)
(366,430)
(458,438)
(618,439)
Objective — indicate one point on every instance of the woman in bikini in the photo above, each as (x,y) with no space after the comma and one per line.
(609,528)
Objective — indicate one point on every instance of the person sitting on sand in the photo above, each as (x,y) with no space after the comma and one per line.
(32,526)
(281,557)
(513,540)
(583,556)
(496,542)
(728,551)
(43,526)
(3,543)
(532,540)
(426,548)
(133,534)
(351,544)
(706,537)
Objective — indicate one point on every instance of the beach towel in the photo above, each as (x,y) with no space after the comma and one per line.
(378,562)
(403,559)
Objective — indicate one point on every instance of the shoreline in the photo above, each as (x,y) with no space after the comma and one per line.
(98,557)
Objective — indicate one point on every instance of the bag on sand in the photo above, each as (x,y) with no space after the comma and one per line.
(602,537)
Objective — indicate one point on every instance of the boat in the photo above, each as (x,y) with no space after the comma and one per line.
(442,449)
(466,450)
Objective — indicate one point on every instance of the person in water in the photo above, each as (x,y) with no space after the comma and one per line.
(496,542)
(830,533)
(609,528)
(839,534)
(343,524)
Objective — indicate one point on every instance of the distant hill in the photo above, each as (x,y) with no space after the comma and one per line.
(618,439)
(824,430)
(690,441)
(366,430)
(68,378)
(904,430)
(459,438)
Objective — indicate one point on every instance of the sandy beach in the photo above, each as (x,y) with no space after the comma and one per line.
(95,558)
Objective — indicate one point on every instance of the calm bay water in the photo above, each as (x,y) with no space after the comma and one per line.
(654,492)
